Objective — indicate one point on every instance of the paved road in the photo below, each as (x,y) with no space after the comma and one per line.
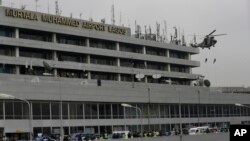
(206,137)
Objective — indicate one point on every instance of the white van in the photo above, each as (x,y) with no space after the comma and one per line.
(120,134)
(198,130)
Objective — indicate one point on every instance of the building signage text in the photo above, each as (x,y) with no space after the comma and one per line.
(21,14)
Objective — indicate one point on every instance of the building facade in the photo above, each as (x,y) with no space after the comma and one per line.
(76,74)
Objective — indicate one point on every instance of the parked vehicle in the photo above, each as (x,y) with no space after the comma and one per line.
(120,134)
(198,130)
(82,136)
(223,129)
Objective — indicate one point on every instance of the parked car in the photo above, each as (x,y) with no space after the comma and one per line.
(223,129)
(44,138)
(85,136)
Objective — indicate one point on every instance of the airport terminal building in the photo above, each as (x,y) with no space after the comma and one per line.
(76,74)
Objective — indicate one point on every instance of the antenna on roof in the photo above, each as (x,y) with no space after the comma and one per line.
(48,6)
(149,27)
(80,15)
(157,31)
(183,39)
(57,8)
(36,1)
(120,18)
(23,7)
(103,20)
(166,31)
(11,3)
(113,14)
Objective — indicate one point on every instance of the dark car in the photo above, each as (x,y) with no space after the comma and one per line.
(223,129)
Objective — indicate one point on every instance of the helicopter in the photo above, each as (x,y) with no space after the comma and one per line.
(207,42)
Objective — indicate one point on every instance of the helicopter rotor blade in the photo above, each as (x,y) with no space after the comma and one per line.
(217,35)
(211,33)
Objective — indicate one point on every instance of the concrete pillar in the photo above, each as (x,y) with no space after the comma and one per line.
(146,79)
(143,50)
(88,59)
(89,75)
(169,69)
(118,62)
(55,72)
(17,33)
(54,38)
(17,51)
(119,77)
(87,42)
(190,69)
(167,53)
(170,81)
(189,56)
(117,46)
(17,69)
(55,58)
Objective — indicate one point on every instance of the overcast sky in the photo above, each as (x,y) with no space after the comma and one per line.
(232,17)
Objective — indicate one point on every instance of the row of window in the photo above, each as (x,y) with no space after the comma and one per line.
(79,110)
(81,41)
(39,71)
(94,59)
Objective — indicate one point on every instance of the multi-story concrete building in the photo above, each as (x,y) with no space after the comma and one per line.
(75,74)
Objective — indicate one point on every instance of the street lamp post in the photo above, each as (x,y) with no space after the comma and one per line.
(179,93)
(199,103)
(241,105)
(61,127)
(137,108)
(28,103)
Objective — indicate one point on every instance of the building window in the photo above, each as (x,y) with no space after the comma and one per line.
(164,111)
(72,57)
(6,68)
(91,111)
(179,68)
(178,54)
(35,53)
(118,112)
(131,113)
(105,111)
(45,110)
(157,66)
(156,51)
(103,44)
(174,111)
(71,73)
(130,48)
(71,40)
(30,70)
(7,50)
(132,63)
(104,76)
(35,35)
(144,110)
(154,110)
(126,77)
(7,31)
(101,60)
(55,110)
